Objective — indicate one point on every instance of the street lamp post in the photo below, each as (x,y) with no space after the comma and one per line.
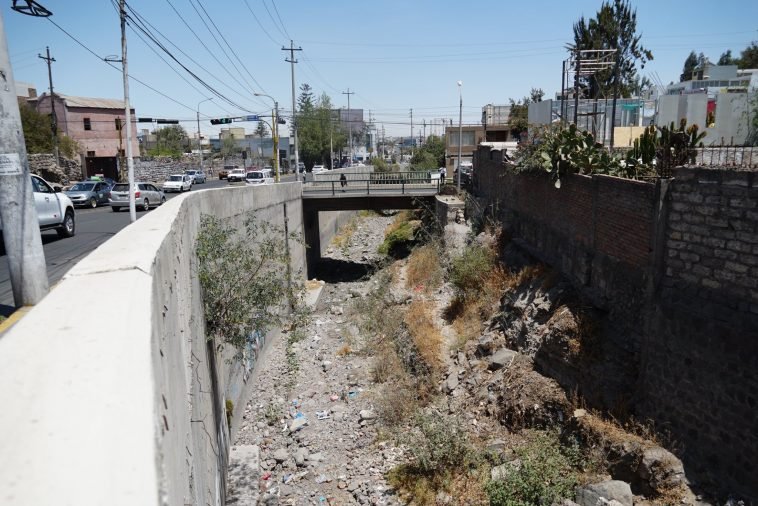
(199,141)
(460,132)
(274,133)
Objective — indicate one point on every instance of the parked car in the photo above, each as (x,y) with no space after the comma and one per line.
(146,195)
(318,169)
(89,193)
(55,211)
(198,176)
(224,173)
(259,177)
(177,183)
(236,175)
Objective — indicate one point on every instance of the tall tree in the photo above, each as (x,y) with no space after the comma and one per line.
(614,27)
(229,146)
(726,58)
(318,128)
(690,64)
(261,130)
(518,118)
(431,155)
(171,141)
(749,57)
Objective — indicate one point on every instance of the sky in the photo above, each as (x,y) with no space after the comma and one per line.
(394,55)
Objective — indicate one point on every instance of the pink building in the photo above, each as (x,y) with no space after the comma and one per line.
(95,123)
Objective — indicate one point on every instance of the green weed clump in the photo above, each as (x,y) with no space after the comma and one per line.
(470,270)
(438,443)
(543,472)
(397,242)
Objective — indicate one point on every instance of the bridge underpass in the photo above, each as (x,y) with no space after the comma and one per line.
(373,192)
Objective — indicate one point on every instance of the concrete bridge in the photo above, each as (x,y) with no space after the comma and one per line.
(111,393)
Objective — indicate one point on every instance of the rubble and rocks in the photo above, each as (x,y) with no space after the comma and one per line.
(64,172)
(327,452)
(612,490)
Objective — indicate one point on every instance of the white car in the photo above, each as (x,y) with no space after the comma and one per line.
(318,169)
(177,183)
(259,177)
(236,175)
(54,209)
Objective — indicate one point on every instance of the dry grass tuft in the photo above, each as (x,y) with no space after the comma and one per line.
(346,349)
(342,239)
(525,275)
(424,269)
(419,318)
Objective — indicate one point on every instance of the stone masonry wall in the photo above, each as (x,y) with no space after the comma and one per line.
(700,362)
(64,173)
(675,265)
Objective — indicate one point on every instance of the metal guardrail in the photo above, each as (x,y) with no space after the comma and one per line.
(403,183)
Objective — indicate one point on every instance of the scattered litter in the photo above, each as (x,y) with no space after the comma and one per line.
(287,478)
(298,415)
(352,394)
(266,475)
(334,397)
(322,499)
(323,415)
(321,479)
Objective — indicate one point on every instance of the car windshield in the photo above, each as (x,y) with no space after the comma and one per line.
(120,187)
(83,187)
(191,172)
(175,178)
(254,175)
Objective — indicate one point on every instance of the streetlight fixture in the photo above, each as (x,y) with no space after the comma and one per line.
(274,132)
(199,141)
(460,131)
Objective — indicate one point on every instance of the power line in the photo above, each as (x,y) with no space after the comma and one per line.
(263,28)
(140,26)
(279,17)
(116,68)
(144,22)
(260,88)
(265,6)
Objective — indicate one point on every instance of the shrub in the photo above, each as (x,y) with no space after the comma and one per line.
(438,443)
(245,284)
(471,269)
(544,471)
(427,340)
(399,235)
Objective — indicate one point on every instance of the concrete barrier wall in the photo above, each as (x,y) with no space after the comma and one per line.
(111,394)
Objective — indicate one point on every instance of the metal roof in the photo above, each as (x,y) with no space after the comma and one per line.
(96,103)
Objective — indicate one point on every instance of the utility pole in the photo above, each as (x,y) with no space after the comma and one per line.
(292,62)
(23,243)
(53,116)
(275,133)
(199,136)
(350,121)
(424,129)
(412,137)
(460,132)
(127,113)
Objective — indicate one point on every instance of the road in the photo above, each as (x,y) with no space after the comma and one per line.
(93,227)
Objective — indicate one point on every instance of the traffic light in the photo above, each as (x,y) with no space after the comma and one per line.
(221,121)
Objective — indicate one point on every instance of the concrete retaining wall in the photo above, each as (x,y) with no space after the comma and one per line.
(125,404)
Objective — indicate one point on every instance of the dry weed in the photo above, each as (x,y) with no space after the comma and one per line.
(424,269)
(342,239)
(397,401)
(346,349)
(419,318)
(387,365)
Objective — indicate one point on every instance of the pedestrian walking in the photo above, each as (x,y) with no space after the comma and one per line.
(443,173)
(343,181)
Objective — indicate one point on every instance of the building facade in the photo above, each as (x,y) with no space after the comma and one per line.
(94,123)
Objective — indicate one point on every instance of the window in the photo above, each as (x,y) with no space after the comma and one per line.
(40,186)
(87,124)
(118,123)
(143,187)
(91,154)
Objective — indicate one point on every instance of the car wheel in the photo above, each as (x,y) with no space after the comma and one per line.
(163,200)
(115,209)
(93,202)
(68,227)
(146,205)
